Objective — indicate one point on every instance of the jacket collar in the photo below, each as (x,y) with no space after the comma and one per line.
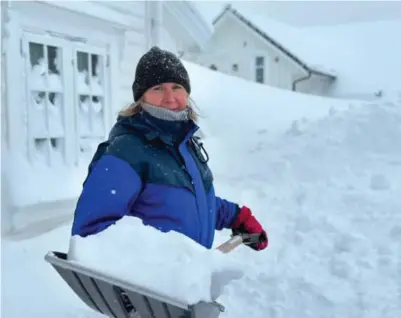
(169,132)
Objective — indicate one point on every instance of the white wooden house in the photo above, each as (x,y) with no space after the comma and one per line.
(255,48)
(67,69)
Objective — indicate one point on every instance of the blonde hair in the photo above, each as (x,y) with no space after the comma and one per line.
(135,108)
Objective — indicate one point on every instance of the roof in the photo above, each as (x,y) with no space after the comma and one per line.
(187,23)
(289,40)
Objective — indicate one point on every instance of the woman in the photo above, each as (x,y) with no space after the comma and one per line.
(152,167)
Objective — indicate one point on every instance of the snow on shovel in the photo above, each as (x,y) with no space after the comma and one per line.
(117,298)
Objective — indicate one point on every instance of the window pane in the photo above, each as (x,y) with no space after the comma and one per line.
(54,68)
(97,116)
(36,54)
(57,149)
(260,60)
(97,74)
(41,150)
(56,114)
(83,72)
(37,114)
(84,115)
(37,73)
(260,75)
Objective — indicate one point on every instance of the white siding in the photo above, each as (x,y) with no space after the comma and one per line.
(3,77)
(118,42)
(317,85)
(134,44)
(235,43)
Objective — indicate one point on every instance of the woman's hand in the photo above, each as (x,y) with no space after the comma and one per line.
(247,223)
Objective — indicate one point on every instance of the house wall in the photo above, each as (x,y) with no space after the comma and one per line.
(233,43)
(316,84)
(43,168)
(136,41)
(3,14)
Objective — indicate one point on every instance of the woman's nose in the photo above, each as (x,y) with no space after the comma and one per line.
(168,95)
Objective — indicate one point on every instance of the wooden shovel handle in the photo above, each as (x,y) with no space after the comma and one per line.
(231,244)
(237,240)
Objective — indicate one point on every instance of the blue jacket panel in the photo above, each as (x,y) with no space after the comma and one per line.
(108,194)
(146,171)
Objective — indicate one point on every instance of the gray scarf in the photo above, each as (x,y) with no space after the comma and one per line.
(166,114)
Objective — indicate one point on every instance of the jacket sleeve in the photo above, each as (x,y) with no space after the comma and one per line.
(226,213)
(108,193)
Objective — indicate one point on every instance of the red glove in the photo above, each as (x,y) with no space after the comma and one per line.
(247,223)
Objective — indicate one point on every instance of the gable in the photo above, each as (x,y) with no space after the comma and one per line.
(231,37)
(281,37)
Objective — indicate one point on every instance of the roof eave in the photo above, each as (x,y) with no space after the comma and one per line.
(320,73)
(195,27)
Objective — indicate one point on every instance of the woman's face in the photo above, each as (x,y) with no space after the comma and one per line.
(167,95)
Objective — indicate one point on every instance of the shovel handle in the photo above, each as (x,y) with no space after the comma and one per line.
(237,240)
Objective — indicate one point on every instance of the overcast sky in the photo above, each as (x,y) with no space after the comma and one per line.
(312,12)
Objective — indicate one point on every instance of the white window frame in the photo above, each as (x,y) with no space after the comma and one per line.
(70,114)
(27,17)
(106,95)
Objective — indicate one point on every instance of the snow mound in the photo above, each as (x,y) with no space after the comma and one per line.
(328,192)
(362,140)
(167,263)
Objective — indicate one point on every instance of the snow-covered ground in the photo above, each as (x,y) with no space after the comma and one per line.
(323,176)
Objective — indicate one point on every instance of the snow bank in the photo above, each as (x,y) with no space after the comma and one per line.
(324,177)
(167,263)
(238,117)
(33,183)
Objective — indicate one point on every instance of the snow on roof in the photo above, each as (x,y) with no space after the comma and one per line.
(367,55)
(302,47)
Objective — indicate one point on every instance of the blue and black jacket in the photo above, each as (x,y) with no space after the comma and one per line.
(155,170)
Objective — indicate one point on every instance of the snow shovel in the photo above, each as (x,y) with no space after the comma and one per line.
(116,298)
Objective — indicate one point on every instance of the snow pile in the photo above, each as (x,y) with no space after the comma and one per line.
(167,263)
(40,185)
(324,177)
(231,107)
(328,192)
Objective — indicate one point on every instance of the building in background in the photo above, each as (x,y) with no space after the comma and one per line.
(356,60)
(67,69)
(259,49)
